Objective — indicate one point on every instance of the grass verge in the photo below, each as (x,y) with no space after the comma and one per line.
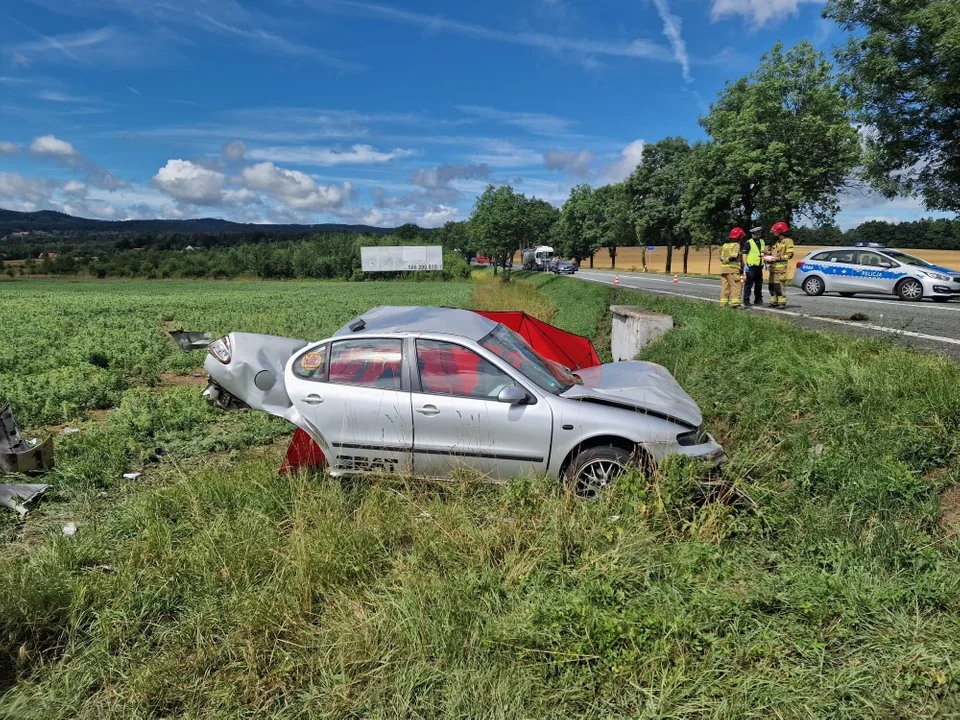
(225,591)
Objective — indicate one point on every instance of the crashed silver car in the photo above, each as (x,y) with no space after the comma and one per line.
(431,391)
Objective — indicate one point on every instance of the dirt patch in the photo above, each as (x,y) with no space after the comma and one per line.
(98,415)
(950,509)
(170,380)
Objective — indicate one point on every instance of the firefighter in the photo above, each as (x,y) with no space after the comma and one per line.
(780,256)
(753,251)
(730,269)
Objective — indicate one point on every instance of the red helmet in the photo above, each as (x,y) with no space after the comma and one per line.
(737,234)
(780,228)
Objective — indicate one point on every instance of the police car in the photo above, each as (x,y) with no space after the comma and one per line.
(873,269)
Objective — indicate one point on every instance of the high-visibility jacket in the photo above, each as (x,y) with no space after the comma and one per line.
(782,253)
(730,255)
(755,252)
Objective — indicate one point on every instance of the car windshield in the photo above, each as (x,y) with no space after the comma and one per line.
(906,259)
(507,345)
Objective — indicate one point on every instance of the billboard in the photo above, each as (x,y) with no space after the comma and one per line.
(404,258)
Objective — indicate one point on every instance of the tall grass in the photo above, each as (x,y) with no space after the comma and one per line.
(226,591)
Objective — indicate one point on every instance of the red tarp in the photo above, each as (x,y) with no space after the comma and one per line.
(573,351)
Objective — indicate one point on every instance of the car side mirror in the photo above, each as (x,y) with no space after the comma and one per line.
(886,264)
(512,395)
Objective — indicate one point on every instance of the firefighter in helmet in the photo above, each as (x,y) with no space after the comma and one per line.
(730,270)
(780,256)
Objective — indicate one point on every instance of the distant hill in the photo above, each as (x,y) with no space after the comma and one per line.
(51,221)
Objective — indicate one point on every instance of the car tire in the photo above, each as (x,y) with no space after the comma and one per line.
(847,294)
(595,468)
(814,286)
(910,290)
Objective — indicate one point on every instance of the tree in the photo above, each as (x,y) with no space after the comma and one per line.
(454,236)
(574,232)
(655,191)
(612,224)
(903,72)
(540,217)
(785,139)
(499,225)
(710,204)
(409,231)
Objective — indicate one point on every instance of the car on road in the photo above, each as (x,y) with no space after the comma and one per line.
(563,267)
(433,391)
(875,270)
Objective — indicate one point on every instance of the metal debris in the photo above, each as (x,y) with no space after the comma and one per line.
(132,475)
(188,341)
(18,455)
(17,497)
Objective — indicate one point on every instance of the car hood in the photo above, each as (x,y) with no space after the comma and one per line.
(944,270)
(641,385)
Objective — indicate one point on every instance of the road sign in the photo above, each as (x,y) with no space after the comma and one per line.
(651,248)
(403,258)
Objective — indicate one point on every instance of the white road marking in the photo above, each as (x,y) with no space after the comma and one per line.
(819,318)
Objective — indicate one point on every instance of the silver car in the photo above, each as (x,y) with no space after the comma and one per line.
(875,270)
(432,391)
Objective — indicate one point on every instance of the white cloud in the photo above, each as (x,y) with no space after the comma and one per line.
(440,177)
(72,187)
(187,182)
(57,96)
(296,189)
(23,193)
(504,154)
(759,12)
(672,26)
(535,123)
(50,145)
(569,161)
(643,49)
(234,151)
(9,148)
(629,158)
(356,155)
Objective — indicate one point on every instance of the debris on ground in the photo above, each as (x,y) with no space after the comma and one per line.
(70,529)
(859,317)
(17,497)
(70,430)
(131,475)
(17,455)
(188,341)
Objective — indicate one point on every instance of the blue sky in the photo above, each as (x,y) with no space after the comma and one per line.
(361,112)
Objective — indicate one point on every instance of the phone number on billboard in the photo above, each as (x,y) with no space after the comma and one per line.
(433,266)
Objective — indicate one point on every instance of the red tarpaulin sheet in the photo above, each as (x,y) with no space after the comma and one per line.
(573,351)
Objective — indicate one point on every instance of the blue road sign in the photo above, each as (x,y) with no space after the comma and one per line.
(651,247)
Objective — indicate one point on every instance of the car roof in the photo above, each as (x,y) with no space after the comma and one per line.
(849,247)
(393,319)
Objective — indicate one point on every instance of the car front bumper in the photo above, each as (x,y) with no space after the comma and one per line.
(940,288)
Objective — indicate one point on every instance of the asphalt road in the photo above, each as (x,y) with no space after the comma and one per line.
(928,325)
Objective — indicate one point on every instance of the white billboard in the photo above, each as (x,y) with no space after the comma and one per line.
(404,258)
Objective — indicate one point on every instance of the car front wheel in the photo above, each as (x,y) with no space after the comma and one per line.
(595,468)
(910,290)
(813,286)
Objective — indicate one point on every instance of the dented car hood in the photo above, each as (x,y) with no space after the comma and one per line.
(644,386)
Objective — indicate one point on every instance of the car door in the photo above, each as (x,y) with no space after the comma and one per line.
(459,424)
(874,274)
(840,271)
(353,393)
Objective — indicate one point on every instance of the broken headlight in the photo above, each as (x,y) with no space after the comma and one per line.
(696,436)
(221,350)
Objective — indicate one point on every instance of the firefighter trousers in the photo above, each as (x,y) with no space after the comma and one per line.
(730,288)
(778,286)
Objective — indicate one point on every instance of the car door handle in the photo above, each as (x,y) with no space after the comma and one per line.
(428,410)
(312,399)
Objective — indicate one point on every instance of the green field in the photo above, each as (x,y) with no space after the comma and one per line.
(213,588)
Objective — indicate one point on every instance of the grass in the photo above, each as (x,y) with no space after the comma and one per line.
(220,590)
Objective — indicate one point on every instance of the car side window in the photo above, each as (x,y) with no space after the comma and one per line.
(367,362)
(312,365)
(844,256)
(872,259)
(450,369)
(822,257)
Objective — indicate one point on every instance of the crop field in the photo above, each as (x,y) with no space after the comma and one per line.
(212,587)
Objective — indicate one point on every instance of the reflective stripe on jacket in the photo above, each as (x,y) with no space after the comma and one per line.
(730,255)
(783,253)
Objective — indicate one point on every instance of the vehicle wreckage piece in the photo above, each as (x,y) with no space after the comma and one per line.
(16,497)
(188,341)
(19,456)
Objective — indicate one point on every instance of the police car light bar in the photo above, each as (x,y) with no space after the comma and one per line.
(869,244)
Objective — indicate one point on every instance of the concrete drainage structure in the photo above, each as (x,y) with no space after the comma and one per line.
(634,328)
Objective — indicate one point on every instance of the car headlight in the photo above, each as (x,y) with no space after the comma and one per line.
(221,350)
(696,436)
(937,276)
